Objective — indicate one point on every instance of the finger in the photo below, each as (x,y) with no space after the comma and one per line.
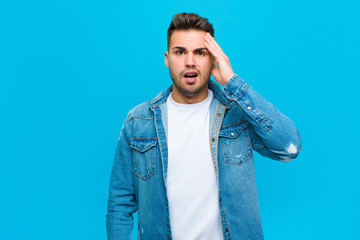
(212,41)
(220,57)
(213,51)
(213,46)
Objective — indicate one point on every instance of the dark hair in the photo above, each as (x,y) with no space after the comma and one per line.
(189,21)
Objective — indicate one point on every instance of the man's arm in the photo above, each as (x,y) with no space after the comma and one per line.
(121,203)
(272,134)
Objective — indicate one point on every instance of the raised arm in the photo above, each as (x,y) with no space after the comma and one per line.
(272,134)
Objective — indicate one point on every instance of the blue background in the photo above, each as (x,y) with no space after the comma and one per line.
(71,70)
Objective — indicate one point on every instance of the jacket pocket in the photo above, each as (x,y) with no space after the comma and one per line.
(235,143)
(144,156)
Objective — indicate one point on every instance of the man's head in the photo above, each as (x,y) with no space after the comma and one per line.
(188,21)
(189,62)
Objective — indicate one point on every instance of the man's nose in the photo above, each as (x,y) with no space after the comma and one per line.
(190,60)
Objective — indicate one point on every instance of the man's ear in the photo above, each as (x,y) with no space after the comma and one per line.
(214,63)
(167,59)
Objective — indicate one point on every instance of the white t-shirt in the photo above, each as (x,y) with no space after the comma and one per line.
(192,186)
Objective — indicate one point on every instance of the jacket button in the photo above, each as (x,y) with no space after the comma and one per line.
(226,229)
(213,139)
(232,134)
(249,108)
(231,93)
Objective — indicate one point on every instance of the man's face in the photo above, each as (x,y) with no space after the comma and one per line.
(189,63)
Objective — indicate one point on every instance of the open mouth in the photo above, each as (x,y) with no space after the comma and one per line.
(190,76)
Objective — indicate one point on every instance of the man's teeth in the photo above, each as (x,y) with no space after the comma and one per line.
(190,75)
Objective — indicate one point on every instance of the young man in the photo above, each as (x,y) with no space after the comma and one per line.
(184,159)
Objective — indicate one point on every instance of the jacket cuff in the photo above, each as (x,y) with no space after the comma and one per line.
(235,87)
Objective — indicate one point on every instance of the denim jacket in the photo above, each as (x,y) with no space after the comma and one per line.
(241,121)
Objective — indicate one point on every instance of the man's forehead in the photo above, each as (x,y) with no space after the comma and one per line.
(188,38)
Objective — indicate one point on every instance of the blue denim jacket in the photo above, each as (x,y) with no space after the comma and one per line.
(241,121)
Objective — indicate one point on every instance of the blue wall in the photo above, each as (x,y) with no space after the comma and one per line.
(71,70)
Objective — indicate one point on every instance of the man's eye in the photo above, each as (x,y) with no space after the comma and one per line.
(201,53)
(179,52)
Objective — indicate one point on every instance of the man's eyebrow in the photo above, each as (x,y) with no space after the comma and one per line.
(179,47)
(200,49)
(195,50)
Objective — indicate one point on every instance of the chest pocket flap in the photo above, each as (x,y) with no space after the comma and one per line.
(144,156)
(235,143)
(232,130)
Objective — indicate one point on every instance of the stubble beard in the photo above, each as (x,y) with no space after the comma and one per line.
(189,92)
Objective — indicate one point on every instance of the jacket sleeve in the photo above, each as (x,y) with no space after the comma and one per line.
(121,202)
(272,134)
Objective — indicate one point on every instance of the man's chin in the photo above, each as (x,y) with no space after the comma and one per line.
(191,90)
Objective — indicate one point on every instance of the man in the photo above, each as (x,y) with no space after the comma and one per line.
(184,159)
